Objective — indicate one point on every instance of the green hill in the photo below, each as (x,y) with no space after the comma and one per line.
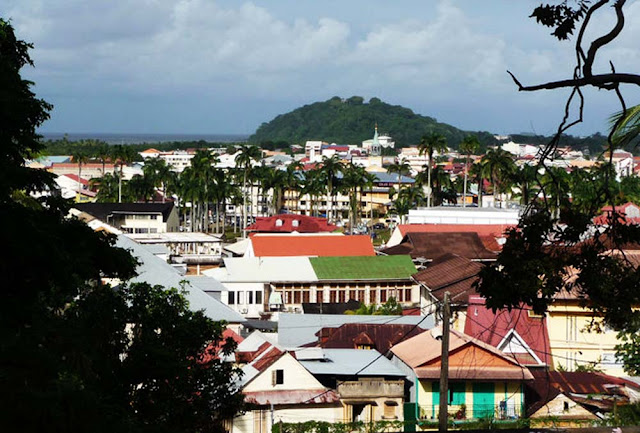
(350,121)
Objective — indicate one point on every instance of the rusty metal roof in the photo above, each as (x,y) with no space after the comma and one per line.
(433,245)
(451,273)
(380,336)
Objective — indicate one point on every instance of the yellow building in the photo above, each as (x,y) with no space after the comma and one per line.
(577,337)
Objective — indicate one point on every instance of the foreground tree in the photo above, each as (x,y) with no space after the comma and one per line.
(75,354)
(555,246)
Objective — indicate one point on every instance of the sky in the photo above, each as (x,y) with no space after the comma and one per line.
(225,67)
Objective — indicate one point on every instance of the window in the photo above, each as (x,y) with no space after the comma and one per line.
(153,230)
(278,223)
(240,297)
(258,297)
(390,409)
(153,217)
(295,223)
(277,377)
(232,298)
(249,297)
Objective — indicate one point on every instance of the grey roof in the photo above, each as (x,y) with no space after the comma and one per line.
(156,271)
(157,249)
(205,283)
(349,362)
(385,177)
(103,210)
(295,330)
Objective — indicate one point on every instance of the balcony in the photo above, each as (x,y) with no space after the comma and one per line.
(370,388)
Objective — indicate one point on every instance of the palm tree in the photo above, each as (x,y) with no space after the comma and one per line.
(498,165)
(401,168)
(294,182)
(476,172)
(468,146)
(442,186)
(556,187)
(104,154)
(627,126)
(401,208)
(313,185)
(108,188)
(331,168)
(429,145)
(413,194)
(123,155)
(80,157)
(525,178)
(353,182)
(246,155)
(370,179)
(158,173)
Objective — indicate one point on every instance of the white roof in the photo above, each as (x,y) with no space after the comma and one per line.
(265,269)
(156,271)
(349,362)
(239,247)
(175,237)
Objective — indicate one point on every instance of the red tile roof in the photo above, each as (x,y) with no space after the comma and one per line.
(491,328)
(305,224)
(312,246)
(74,177)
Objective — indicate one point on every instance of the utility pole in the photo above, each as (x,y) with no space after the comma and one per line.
(443,414)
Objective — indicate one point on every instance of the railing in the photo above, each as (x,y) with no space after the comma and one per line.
(501,411)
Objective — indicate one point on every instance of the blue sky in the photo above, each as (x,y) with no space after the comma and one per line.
(222,66)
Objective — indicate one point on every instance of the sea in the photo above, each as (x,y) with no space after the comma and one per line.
(145,138)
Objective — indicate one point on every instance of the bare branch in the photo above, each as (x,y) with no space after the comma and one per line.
(602,81)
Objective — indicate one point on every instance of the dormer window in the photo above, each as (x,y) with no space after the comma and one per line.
(295,223)
(278,223)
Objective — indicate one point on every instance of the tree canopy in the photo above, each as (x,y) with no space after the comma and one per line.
(75,354)
(352,121)
(556,248)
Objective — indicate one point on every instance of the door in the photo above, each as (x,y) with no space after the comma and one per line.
(483,403)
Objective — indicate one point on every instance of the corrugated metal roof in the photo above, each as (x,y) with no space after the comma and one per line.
(295,330)
(311,246)
(363,268)
(433,245)
(351,362)
(380,336)
(265,269)
(156,271)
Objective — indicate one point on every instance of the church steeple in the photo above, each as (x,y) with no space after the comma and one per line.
(375,135)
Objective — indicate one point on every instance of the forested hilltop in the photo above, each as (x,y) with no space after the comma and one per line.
(350,121)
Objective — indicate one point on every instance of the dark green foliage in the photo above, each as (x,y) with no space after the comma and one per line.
(562,17)
(351,121)
(92,148)
(629,353)
(75,355)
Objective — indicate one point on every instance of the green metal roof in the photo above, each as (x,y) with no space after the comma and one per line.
(363,267)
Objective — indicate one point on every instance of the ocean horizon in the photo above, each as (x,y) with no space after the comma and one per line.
(113,138)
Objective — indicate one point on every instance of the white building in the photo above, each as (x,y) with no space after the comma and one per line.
(456,215)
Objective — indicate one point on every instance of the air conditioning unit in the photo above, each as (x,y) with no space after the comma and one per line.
(244,310)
